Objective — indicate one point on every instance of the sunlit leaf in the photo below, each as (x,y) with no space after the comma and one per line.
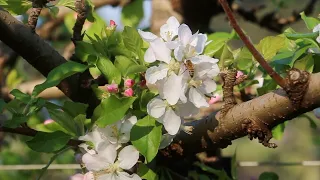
(132,13)
(16,7)
(110,72)
(145,173)
(309,21)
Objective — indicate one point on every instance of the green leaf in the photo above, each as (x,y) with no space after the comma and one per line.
(133,69)
(54,11)
(63,119)
(145,173)
(58,74)
(123,63)
(111,110)
(132,13)
(133,41)
(309,21)
(277,132)
(16,121)
(15,106)
(20,95)
(296,36)
(67,3)
(16,7)
(222,175)
(243,58)
(146,136)
(110,72)
(269,46)
(85,50)
(268,85)
(219,40)
(74,108)
(146,96)
(306,63)
(268,176)
(48,142)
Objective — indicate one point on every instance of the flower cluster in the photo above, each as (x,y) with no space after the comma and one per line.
(182,75)
(107,156)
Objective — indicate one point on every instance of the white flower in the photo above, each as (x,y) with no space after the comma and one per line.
(317,29)
(107,167)
(119,132)
(164,113)
(95,137)
(189,45)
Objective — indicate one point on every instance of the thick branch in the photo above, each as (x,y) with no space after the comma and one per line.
(43,57)
(82,12)
(256,54)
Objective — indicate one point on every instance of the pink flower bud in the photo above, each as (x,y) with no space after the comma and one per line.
(239,73)
(214,99)
(128,92)
(129,83)
(112,23)
(143,83)
(317,112)
(48,121)
(112,88)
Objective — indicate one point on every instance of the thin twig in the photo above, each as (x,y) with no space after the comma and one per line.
(256,54)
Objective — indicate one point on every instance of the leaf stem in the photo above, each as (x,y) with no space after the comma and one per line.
(256,54)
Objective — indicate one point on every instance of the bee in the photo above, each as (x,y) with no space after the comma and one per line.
(190,67)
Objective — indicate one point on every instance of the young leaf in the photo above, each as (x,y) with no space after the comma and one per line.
(306,63)
(133,41)
(145,173)
(74,108)
(20,95)
(310,21)
(58,74)
(135,69)
(219,40)
(123,63)
(278,131)
(16,7)
(132,13)
(268,176)
(146,136)
(16,121)
(111,110)
(269,46)
(67,3)
(48,142)
(110,72)
(64,119)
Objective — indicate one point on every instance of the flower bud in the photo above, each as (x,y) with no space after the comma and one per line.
(48,121)
(112,88)
(112,23)
(129,83)
(128,92)
(143,83)
(214,99)
(239,73)
(111,28)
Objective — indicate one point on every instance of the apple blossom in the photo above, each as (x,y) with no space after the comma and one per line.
(105,166)
(48,121)
(112,88)
(128,92)
(317,29)
(214,99)
(88,176)
(129,83)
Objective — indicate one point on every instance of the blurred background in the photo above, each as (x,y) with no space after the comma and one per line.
(300,141)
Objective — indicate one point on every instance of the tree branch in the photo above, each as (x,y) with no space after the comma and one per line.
(44,58)
(82,12)
(256,54)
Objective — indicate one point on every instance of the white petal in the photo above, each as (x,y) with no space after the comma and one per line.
(108,176)
(149,56)
(128,123)
(202,39)
(156,107)
(147,36)
(94,136)
(202,59)
(173,22)
(184,34)
(155,73)
(108,151)
(172,44)
(205,69)
(88,176)
(179,53)
(172,89)
(166,140)
(187,109)
(110,132)
(161,51)
(94,162)
(318,39)
(183,97)
(171,121)
(125,176)
(197,98)
(208,86)
(124,138)
(128,157)
(165,32)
